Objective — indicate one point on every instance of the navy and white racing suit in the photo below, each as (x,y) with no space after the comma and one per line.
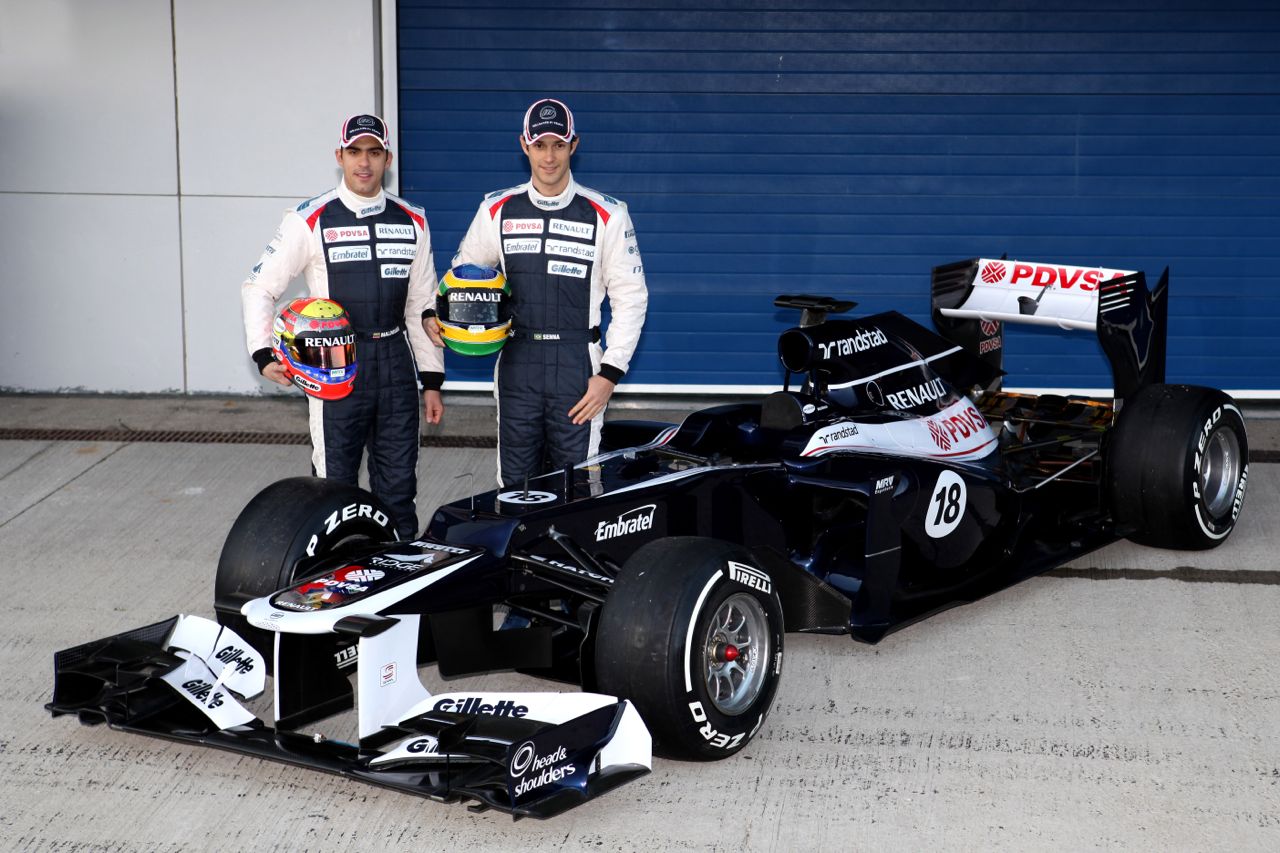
(561,255)
(373,257)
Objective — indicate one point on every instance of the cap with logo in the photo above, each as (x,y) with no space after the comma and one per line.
(364,125)
(548,117)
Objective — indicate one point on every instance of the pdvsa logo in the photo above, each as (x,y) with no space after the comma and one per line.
(993,272)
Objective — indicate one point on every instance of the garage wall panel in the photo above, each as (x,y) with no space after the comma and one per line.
(846,148)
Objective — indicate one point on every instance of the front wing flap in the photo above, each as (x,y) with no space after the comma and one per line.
(140,682)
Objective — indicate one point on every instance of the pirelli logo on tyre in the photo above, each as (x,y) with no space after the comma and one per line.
(750,576)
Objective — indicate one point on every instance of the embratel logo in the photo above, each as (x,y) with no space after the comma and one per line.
(631,521)
(993,272)
(343,255)
(531,246)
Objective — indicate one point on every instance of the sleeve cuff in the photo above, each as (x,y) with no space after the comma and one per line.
(430,312)
(613,374)
(431,381)
(263,358)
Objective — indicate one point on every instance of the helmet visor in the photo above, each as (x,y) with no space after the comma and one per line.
(468,307)
(473,313)
(325,353)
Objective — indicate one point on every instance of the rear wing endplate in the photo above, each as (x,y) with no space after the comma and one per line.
(972,299)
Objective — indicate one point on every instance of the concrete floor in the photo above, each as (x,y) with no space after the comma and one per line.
(1135,709)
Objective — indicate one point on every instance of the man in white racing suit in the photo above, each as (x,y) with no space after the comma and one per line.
(370,252)
(563,248)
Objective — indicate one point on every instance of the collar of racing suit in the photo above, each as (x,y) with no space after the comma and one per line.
(553,202)
(359,205)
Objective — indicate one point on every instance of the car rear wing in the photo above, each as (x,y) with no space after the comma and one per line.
(972,299)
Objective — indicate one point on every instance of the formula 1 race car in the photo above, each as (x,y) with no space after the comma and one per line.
(897,480)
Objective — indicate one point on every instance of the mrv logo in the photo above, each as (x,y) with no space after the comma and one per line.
(864,340)
(749,576)
(542,770)
(631,521)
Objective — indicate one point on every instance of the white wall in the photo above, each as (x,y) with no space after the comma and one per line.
(148,157)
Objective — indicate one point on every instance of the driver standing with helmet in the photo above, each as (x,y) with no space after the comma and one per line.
(370,252)
(563,248)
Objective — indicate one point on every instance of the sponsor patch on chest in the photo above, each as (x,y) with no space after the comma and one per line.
(522,226)
(388,231)
(582,251)
(529,246)
(343,254)
(346,234)
(585,230)
(397,250)
(395,270)
(566,268)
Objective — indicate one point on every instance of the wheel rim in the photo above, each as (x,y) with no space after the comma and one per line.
(736,653)
(1219,471)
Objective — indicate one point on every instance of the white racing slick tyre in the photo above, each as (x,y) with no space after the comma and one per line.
(1178,463)
(691,633)
(287,521)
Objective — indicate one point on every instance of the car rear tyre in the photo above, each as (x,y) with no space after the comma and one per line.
(287,521)
(691,633)
(1178,464)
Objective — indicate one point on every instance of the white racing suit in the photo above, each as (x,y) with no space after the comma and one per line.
(373,257)
(561,256)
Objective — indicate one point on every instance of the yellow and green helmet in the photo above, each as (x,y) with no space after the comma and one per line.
(474,309)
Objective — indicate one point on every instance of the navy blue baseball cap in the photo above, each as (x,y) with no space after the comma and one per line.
(547,117)
(364,125)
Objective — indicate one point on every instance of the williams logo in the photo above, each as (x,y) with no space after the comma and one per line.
(631,521)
